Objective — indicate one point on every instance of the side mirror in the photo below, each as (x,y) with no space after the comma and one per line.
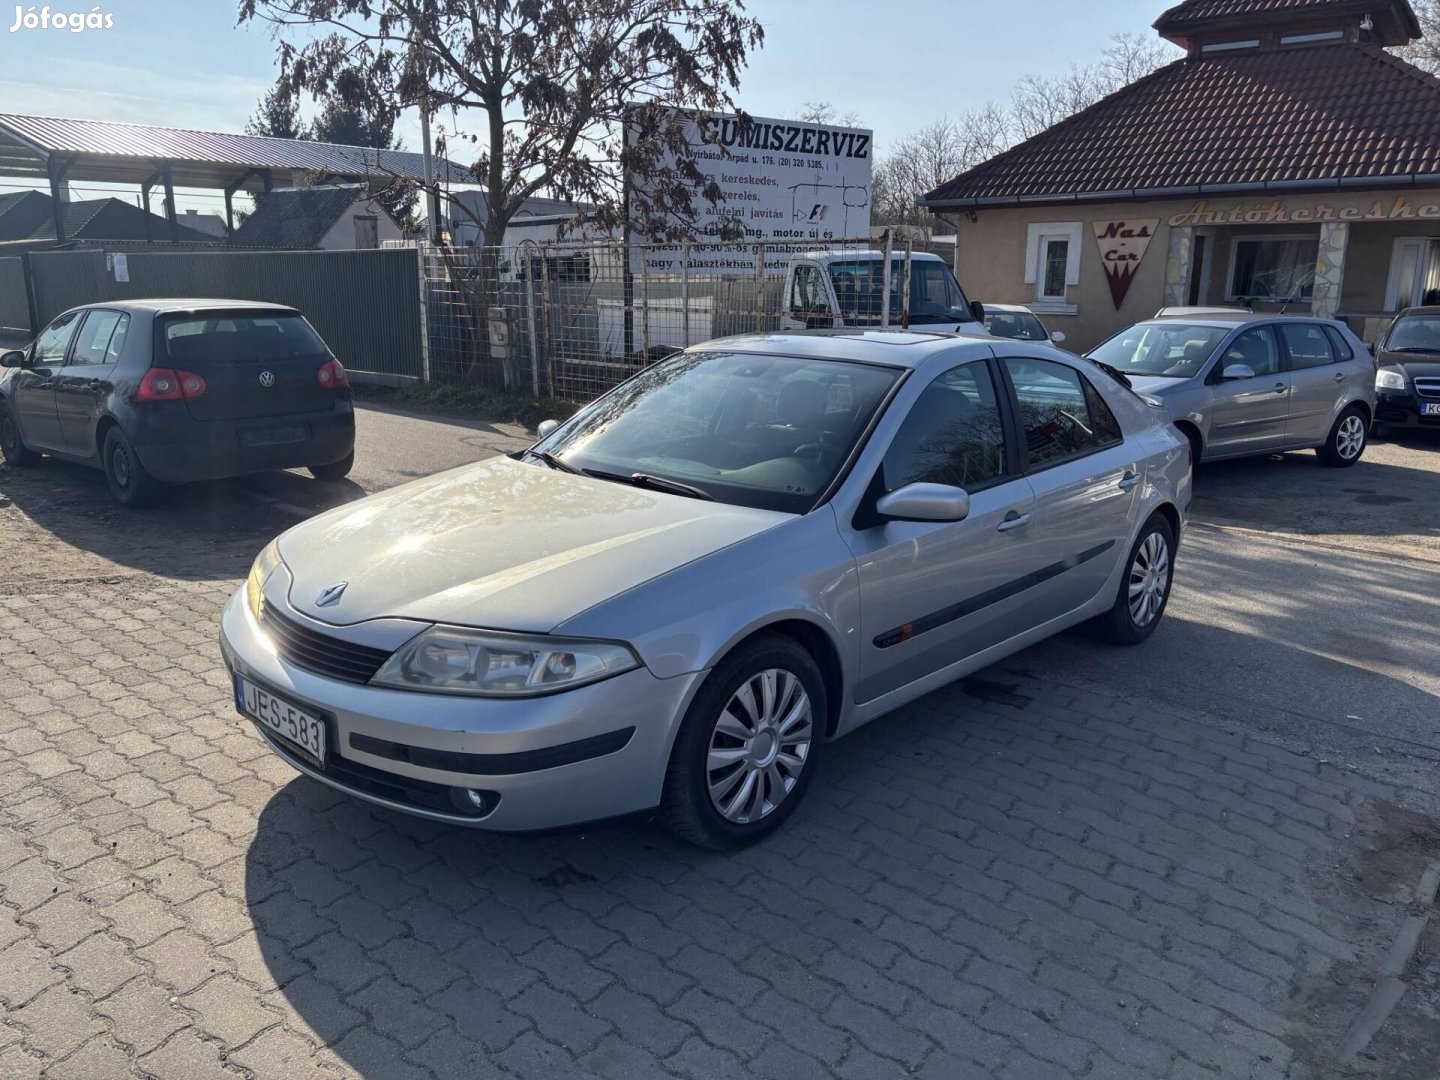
(1057,336)
(925,502)
(977,311)
(546,427)
(14,358)
(1237,371)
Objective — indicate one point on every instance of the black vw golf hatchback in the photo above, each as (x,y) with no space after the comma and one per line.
(168,391)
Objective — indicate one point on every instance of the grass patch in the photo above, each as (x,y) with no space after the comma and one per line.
(472,402)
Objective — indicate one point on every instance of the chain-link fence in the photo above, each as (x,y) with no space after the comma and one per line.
(570,320)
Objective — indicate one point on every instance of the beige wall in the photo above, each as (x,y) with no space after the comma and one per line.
(991,253)
(341,236)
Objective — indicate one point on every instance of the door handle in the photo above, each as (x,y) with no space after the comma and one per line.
(97,384)
(1280,388)
(1339,376)
(1128,481)
(1013,521)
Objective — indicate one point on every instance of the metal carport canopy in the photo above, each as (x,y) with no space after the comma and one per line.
(101,150)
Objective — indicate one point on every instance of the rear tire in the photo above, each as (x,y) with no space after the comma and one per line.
(336,470)
(1345,444)
(746,750)
(1144,591)
(130,482)
(12,443)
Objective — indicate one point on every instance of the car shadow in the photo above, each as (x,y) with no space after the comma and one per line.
(195,531)
(403,943)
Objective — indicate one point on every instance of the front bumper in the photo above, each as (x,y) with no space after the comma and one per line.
(521,737)
(1401,408)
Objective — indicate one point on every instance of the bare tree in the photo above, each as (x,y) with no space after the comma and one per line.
(1425,52)
(824,112)
(1039,102)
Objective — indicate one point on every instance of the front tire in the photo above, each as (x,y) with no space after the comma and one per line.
(1144,589)
(746,751)
(1346,442)
(336,470)
(12,444)
(130,482)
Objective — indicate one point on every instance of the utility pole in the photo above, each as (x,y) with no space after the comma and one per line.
(432,197)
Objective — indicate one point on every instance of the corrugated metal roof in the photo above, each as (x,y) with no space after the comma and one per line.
(109,150)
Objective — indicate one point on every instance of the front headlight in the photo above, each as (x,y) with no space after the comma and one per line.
(1385,379)
(455,660)
(264,565)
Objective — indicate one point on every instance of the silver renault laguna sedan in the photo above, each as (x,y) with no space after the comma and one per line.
(677,598)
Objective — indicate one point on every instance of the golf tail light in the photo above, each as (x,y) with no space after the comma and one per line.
(168,384)
(456,660)
(332,375)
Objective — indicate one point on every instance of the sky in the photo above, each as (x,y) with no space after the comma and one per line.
(896,66)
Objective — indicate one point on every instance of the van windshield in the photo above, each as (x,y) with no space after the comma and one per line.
(1171,350)
(935,295)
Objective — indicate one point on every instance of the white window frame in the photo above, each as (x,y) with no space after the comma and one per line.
(1038,236)
(1236,241)
(1393,300)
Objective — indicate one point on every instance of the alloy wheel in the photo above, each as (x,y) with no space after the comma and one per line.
(759,746)
(1149,579)
(1350,438)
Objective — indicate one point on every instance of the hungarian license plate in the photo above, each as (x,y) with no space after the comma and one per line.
(1430,408)
(302,730)
(275,436)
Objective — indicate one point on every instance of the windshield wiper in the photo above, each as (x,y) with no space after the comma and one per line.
(1115,373)
(1413,349)
(553,461)
(654,483)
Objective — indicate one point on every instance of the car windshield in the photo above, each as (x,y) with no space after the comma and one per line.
(935,295)
(1021,325)
(1414,333)
(1172,350)
(768,432)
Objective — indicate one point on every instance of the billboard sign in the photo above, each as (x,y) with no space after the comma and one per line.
(786,181)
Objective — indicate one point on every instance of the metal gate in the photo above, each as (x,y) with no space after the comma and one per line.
(14,297)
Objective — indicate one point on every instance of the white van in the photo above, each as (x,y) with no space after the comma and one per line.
(847,288)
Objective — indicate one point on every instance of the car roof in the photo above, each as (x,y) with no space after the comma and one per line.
(1009,307)
(1421,309)
(169,305)
(892,348)
(863,254)
(1239,318)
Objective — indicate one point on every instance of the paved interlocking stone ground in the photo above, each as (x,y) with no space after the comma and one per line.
(1001,881)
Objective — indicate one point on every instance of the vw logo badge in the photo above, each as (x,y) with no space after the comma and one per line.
(332,594)
(267,378)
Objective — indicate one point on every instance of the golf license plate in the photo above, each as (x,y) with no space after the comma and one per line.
(302,730)
(1430,408)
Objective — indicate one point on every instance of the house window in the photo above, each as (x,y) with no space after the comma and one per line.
(1273,268)
(1305,39)
(1231,46)
(1054,258)
(1052,262)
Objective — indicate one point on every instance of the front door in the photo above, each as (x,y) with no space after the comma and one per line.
(1249,415)
(33,387)
(933,593)
(85,381)
(1317,382)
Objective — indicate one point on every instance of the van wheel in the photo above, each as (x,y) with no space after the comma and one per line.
(12,445)
(746,751)
(1346,441)
(1144,587)
(336,470)
(130,482)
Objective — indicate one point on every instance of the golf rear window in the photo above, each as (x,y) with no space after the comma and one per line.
(221,338)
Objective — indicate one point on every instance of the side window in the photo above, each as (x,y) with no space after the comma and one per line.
(1255,349)
(1063,416)
(1307,344)
(807,291)
(953,434)
(1342,348)
(50,346)
(92,343)
(117,340)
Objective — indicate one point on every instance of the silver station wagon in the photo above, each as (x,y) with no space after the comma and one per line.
(680,596)
(1238,384)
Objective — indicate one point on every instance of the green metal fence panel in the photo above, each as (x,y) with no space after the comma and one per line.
(365,304)
(14,299)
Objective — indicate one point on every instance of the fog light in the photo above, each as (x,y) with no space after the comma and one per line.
(474,802)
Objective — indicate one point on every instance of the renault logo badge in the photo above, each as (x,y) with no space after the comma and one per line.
(267,378)
(332,594)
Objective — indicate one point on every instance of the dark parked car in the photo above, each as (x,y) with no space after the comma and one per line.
(167,391)
(1407,385)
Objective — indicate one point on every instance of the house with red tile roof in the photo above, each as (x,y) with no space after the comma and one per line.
(1287,160)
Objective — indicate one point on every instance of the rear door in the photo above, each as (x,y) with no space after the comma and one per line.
(1086,480)
(86,380)
(258,367)
(1249,415)
(32,388)
(1318,384)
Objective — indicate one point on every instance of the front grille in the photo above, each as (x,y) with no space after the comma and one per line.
(320,653)
(1428,387)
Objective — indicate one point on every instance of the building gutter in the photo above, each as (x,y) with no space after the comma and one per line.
(1345,183)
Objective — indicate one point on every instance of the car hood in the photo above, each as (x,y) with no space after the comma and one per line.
(1423,365)
(501,544)
(1157,385)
